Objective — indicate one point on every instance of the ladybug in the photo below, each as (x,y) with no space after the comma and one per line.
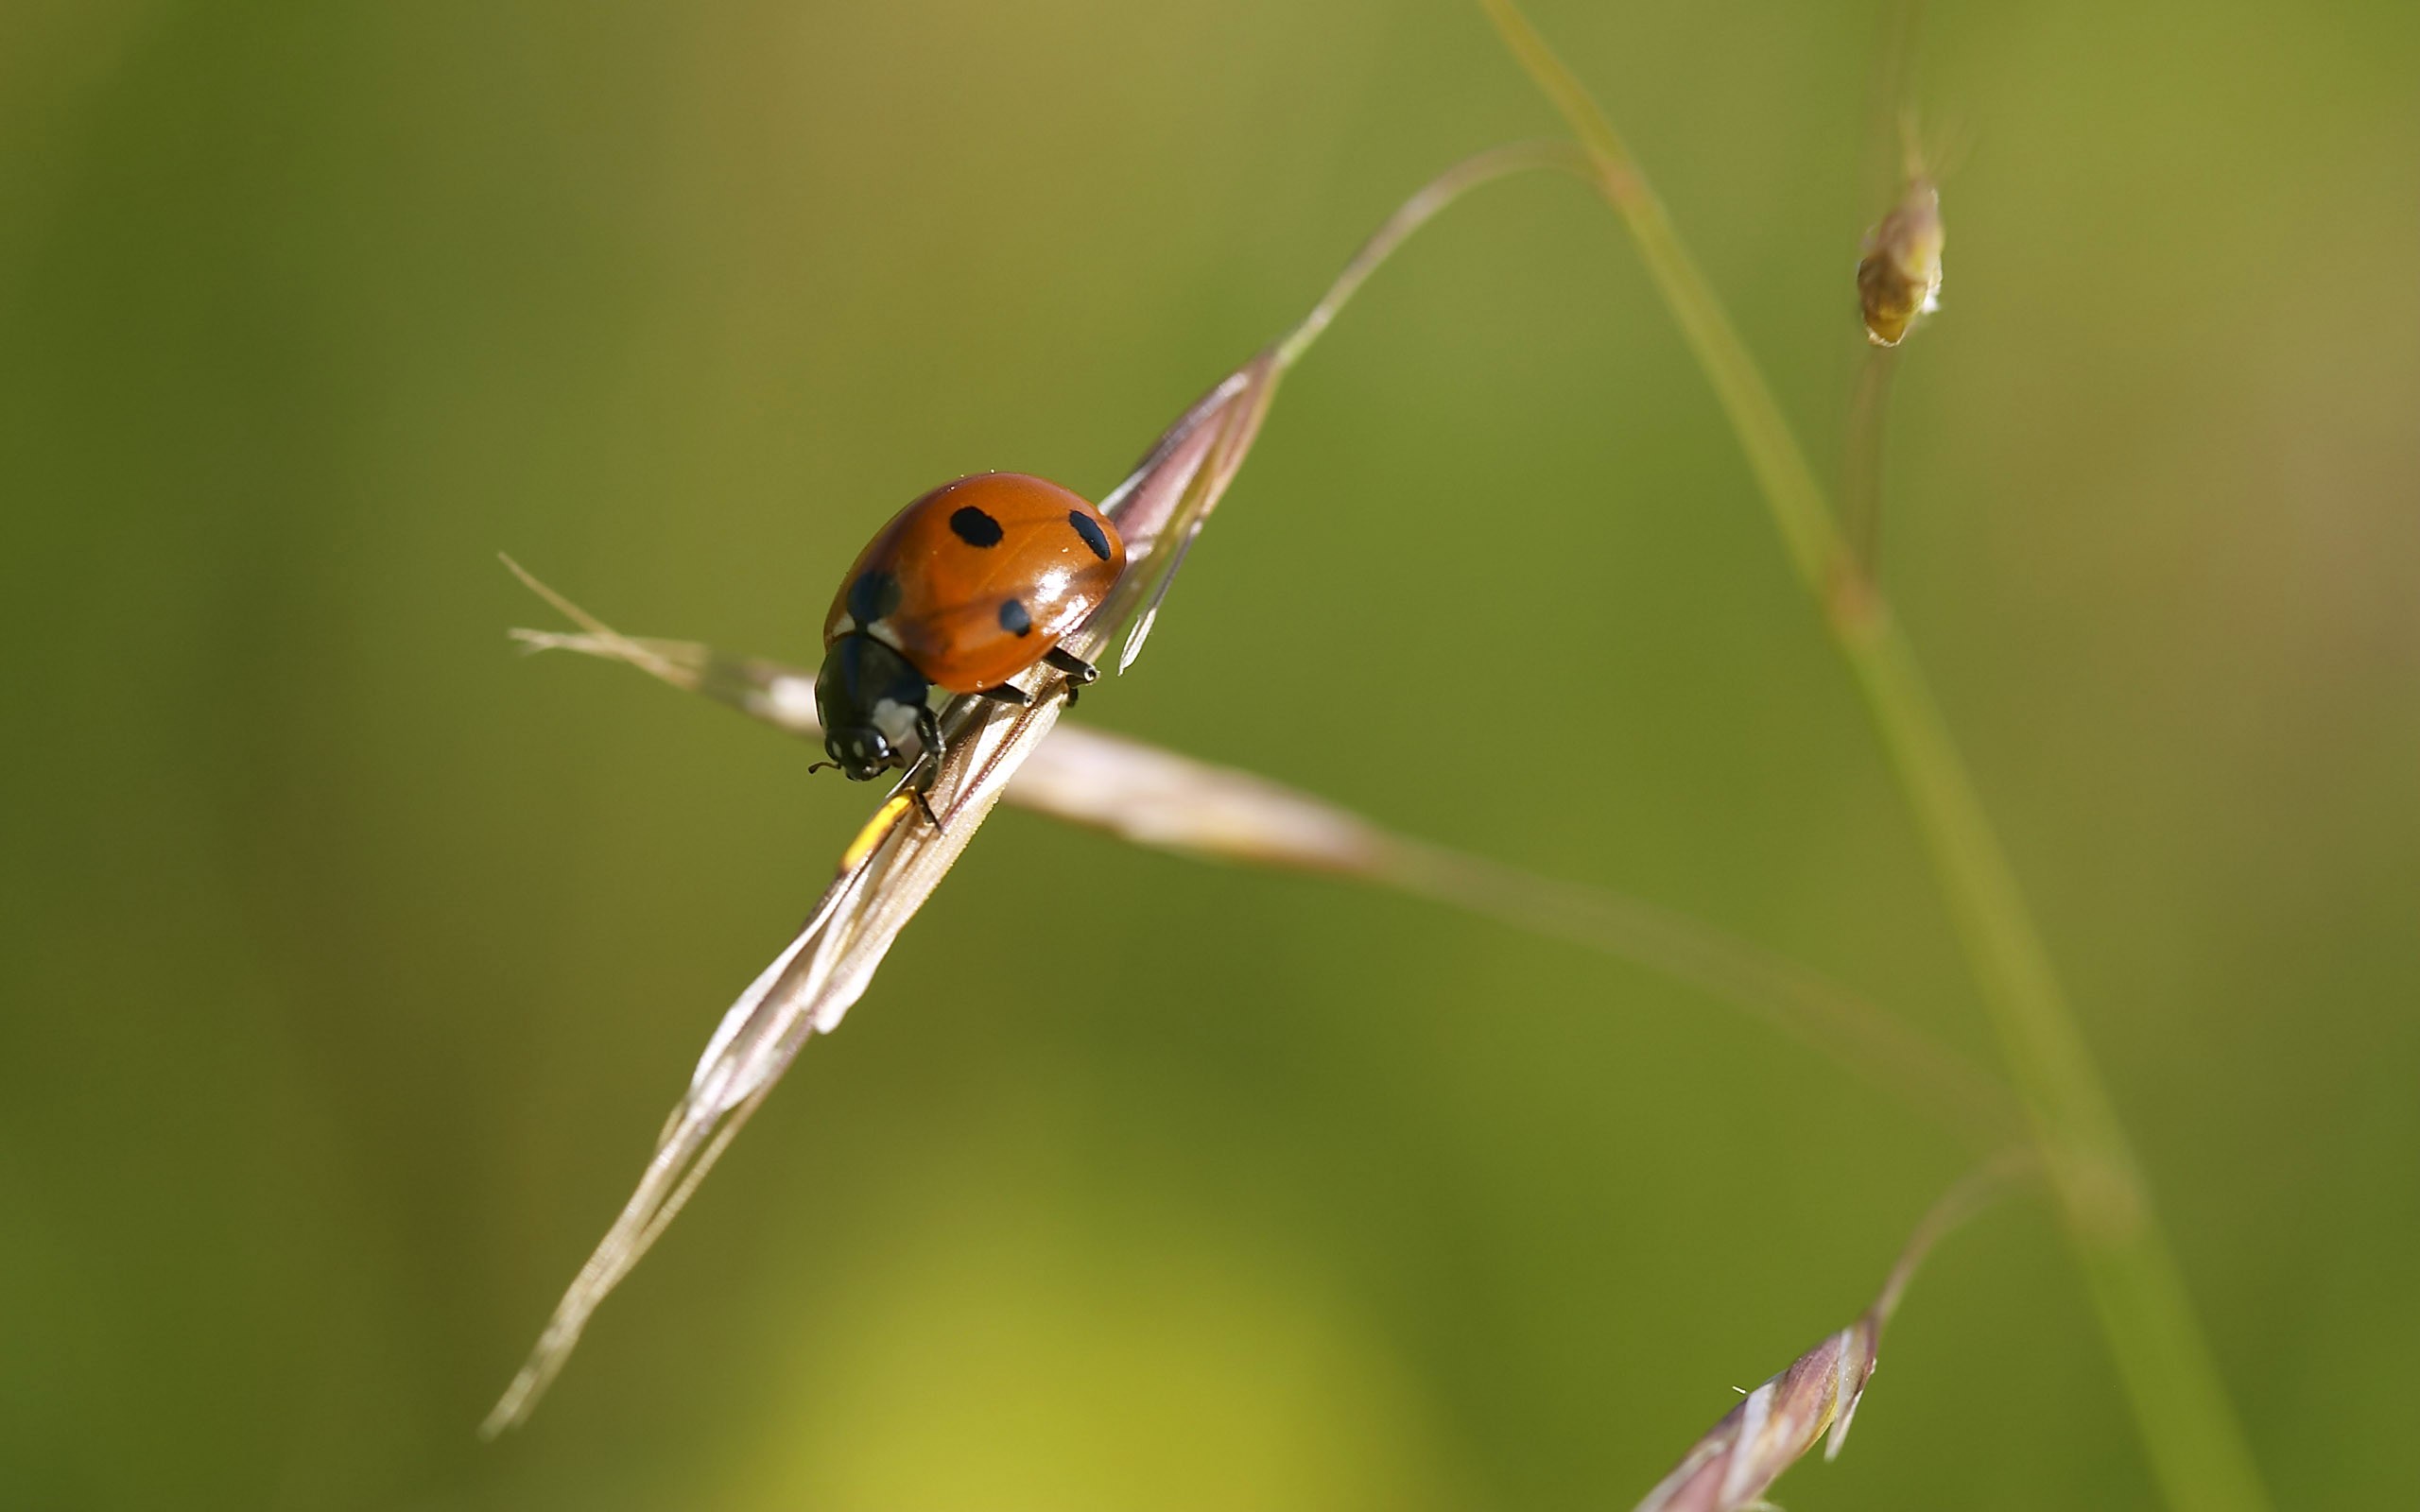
(965,588)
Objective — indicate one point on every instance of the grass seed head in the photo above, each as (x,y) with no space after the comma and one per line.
(1814,1401)
(1774,1427)
(1899,279)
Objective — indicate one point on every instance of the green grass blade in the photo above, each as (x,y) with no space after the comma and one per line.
(2189,1429)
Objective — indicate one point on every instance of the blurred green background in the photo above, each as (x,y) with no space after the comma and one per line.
(349,961)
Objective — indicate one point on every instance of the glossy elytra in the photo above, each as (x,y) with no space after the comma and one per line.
(964,589)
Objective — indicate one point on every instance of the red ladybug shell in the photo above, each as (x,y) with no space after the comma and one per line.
(976,580)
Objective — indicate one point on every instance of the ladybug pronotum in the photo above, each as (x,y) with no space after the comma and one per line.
(964,589)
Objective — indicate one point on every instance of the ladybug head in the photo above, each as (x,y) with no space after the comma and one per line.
(860,750)
(868,696)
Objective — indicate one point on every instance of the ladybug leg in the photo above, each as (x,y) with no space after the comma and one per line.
(928,768)
(1080,673)
(1005,693)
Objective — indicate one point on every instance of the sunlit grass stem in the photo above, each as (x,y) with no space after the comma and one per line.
(1775,990)
(1172,802)
(1416,212)
(2196,1447)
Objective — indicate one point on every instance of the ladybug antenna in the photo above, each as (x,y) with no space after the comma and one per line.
(823,766)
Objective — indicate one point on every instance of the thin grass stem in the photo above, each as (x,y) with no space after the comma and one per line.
(2195,1444)
(1157,798)
(1414,212)
(1773,989)
(1862,462)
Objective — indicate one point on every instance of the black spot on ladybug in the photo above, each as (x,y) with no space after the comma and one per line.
(974,527)
(872,596)
(1090,529)
(1013,618)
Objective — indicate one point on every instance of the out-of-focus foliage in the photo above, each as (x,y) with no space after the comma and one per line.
(347,961)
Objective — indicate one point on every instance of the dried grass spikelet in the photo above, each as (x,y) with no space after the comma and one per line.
(1774,1427)
(1898,283)
(1816,1398)
(895,861)
(1898,278)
